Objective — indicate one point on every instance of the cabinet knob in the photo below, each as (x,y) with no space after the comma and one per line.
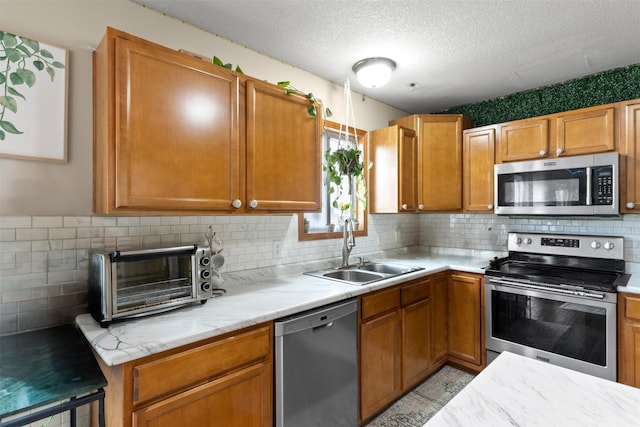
(403,206)
(630,205)
(237,203)
(489,206)
(253,204)
(420,206)
(543,153)
(559,151)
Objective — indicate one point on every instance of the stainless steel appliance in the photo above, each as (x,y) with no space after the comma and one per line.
(554,299)
(316,367)
(578,185)
(137,283)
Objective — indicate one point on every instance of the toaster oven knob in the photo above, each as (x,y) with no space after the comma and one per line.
(205,286)
(595,244)
(205,274)
(204,261)
(608,245)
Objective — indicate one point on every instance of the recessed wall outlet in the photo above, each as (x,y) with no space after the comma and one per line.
(276,248)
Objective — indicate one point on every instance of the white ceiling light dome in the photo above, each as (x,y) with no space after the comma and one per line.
(374,72)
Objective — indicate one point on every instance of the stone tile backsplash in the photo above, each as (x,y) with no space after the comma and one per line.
(44,260)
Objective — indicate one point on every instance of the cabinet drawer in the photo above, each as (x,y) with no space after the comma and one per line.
(179,371)
(414,292)
(380,302)
(632,308)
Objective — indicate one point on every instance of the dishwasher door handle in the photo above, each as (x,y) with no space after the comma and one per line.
(321,327)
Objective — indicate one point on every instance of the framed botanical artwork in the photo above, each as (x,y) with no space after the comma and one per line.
(33,99)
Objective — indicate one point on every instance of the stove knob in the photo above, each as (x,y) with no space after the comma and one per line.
(595,244)
(528,241)
(518,240)
(608,245)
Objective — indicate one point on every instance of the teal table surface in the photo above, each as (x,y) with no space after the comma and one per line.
(45,366)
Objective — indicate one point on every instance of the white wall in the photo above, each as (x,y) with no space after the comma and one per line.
(29,187)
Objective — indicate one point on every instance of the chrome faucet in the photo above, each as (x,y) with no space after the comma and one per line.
(349,241)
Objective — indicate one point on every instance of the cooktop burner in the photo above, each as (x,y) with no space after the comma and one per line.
(588,262)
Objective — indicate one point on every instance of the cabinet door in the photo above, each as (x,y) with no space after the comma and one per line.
(439,291)
(465,340)
(629,339)
(284,156)
(240,399)
(523,140)
(176,142)
(630,158)
(408,170)
(379,363)
(416,343)
(440,165)
(479,158)
(585,131)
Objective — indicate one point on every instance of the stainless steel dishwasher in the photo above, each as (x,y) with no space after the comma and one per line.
(316,368)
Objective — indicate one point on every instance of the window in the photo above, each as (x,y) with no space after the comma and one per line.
(328,224)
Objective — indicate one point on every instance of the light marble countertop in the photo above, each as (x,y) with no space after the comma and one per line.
(633,286)
(252,297)
(518,391)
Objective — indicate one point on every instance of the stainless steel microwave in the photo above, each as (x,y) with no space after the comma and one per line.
(138,283)
(577,185)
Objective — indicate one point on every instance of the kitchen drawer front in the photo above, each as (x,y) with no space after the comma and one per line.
(413,292)
(632,307)
(380,302)
(179,371)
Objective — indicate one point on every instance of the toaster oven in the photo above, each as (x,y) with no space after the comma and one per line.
(126,284)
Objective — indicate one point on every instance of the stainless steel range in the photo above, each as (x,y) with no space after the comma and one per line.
(554,299)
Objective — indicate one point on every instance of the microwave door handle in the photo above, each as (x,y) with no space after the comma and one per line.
(589,172)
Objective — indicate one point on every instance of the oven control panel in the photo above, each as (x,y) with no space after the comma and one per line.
(609,247)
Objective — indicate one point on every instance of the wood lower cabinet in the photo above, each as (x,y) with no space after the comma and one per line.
(222,381)
(479,158)
(417,359)
(630,157)
(174,133)
(440,315)
(466,320)
(629,339)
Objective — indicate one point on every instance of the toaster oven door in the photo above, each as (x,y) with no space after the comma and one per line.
(152,280)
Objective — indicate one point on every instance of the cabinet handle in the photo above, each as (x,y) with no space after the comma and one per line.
(237,203)
(253,204)
(420,206)
(489,206)
(403,206)
(559,151)
(630,205)
(543,153)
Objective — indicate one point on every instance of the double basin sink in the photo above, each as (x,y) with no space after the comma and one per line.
(363,274)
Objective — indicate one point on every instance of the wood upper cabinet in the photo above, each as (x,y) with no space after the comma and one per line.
(630,157)
(227,380)
(479,158)
(466,320)
(585,131)
(174,133)
(439,159)
(523,140)
(393,176)
(629,339)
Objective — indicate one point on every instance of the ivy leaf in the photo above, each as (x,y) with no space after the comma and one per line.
(239,70)
(24,50)
(228,65)
(57,64)
(46,53)
(9,40)
(16,79)
(283,84)
(1,135)
(12,91)
(9,102)
(328,112)
(27,76)
(38,64)
(34,45)
(9,127)
(13,55)
(51,72)
(217,61)
(3,78)
(312,111)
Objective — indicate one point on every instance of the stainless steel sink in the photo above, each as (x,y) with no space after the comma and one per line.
(363,274)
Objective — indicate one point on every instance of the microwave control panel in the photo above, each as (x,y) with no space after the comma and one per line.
(603,182)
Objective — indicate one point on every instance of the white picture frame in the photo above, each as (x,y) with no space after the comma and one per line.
(33,98)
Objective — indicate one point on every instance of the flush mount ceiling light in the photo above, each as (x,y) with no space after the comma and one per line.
(373,72)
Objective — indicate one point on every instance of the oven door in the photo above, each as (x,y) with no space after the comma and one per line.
(578,333)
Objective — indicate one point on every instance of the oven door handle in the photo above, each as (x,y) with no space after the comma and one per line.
(544,288)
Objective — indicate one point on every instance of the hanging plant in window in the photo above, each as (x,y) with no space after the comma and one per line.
(344,164)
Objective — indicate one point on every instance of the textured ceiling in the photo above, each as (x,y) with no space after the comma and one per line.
(448,52)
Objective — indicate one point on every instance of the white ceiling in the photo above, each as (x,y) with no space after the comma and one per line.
(448,52)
